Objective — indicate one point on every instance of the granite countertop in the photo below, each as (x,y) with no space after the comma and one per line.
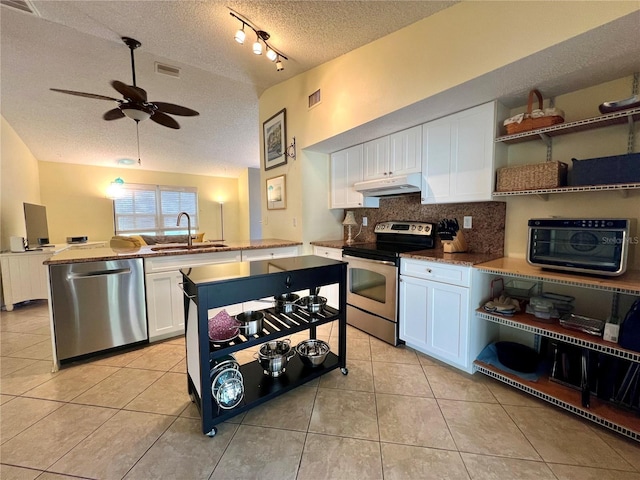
(120,253)
(437,255)
(333,243)
(431,254)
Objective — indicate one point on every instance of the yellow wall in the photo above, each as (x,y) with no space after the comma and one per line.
(76,203)
(18,181)
(396,71)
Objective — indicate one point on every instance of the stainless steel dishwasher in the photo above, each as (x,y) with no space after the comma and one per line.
(97,306)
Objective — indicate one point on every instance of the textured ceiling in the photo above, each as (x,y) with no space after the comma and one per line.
(75,45)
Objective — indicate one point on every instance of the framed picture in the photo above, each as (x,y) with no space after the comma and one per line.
(274,133)
(276,193)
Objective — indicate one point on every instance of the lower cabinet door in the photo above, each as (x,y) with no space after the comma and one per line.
(165,306)
(434,319)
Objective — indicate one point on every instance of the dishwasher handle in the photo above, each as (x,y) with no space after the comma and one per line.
(100,273)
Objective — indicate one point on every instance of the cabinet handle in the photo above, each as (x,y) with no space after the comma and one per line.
(390,173)
(385,173)
(428,270)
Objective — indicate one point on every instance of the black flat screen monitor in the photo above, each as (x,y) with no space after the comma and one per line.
(35,219)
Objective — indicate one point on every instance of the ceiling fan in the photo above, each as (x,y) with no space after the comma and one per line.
(135,104)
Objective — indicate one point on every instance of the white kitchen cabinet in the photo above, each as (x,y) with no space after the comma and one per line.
(24,277)
(376,159)
(397,154)
(436,304)
(163,284)
(460,157)
(330,292)
(405,151)
(347,169)
(269,253)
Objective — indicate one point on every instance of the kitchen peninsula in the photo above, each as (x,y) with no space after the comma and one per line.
(132,295)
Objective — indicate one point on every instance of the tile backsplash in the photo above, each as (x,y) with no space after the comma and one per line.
(488,219)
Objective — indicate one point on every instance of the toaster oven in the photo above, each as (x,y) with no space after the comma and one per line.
(594,246)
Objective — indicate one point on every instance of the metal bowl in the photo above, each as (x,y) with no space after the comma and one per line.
(313,352)
(313,303)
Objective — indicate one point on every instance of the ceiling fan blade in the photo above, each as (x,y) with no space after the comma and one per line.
(135,94)
(113,114)
(165,120)
(83,94)
(175,109)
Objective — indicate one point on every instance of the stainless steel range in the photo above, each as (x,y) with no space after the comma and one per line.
(372,276)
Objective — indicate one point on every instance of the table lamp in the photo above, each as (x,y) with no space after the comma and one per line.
(349,221)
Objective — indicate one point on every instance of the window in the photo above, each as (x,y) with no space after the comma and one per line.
(154,209)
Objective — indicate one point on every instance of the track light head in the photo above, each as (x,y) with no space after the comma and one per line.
(271,55)
(257,47)
(279,65)
(240,35)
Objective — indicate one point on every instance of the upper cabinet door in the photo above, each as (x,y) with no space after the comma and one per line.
(346,169)
(459,156)
(376,159)
(405,151)
(437,160)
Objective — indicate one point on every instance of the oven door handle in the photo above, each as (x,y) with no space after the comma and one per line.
(381,262)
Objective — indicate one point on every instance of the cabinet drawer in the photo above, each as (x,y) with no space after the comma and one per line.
(327,252)
(436,271)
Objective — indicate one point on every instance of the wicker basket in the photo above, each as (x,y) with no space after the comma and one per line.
(529,123)
(531,177)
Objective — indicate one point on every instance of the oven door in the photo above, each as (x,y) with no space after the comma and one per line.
(372,286)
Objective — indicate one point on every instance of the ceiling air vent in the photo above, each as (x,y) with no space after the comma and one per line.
(314,98)
(23,5)
(167,70)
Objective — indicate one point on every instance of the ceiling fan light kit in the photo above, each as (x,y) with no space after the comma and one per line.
(261,37)
(135,105)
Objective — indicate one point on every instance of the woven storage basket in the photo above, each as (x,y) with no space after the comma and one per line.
(531,177)
(532,123)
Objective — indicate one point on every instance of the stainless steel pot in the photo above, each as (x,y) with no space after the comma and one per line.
(274,356)
(312,303)
(285,303)
(250,322)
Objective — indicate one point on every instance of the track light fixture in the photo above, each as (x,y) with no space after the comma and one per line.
(261,37)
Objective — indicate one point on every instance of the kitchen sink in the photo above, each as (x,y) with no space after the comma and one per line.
(187,247)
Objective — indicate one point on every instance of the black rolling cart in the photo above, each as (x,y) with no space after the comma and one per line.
(219,285)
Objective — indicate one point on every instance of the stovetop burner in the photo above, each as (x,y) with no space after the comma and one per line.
(394,238)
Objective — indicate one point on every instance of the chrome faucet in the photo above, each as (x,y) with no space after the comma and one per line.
(189,239)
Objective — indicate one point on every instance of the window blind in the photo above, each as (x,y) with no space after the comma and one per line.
(153,209)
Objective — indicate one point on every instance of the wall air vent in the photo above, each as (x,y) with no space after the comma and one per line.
(24,6)
(167,70)
(314,98)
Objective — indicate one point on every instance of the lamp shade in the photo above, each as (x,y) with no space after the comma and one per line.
(349,219)
(240,36)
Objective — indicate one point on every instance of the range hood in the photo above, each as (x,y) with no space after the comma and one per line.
(394,185)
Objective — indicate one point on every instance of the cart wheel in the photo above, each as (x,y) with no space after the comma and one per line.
(344,370)
(213,432)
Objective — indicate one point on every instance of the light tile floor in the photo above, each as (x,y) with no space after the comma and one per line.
(398,415)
